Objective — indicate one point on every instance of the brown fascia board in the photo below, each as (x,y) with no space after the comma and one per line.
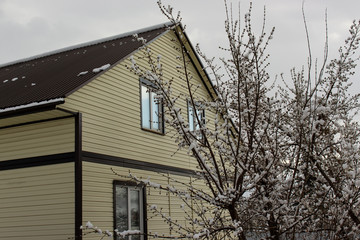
(196,60)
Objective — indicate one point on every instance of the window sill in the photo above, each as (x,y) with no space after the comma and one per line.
(153,131)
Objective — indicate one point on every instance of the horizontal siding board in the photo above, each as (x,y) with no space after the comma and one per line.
(52,209)
(111,111)
(43,134)
(98,195)
(24,175)
(37,202)
(41,232)
(44,141)
(35,237)
(37,220)
(39,139)
(139,145)
(34,192)
(31,117)
(152,158)
(31,183)
(39,151)
(36,128)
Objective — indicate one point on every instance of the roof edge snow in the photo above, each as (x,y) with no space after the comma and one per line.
(33,104)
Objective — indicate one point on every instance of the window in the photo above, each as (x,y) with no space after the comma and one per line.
(194,125)
(129,208)
(151,109)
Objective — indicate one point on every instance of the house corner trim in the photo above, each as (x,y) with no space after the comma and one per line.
(78,176)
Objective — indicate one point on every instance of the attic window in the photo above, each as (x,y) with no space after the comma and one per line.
(151,108)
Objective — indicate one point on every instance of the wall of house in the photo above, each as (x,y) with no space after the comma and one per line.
(37,203)
(98,197)
(39,139)
(36,196)
(110,105)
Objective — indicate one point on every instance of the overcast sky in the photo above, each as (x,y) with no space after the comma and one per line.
(31,27)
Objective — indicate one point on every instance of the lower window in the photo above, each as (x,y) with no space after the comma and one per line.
(129,208)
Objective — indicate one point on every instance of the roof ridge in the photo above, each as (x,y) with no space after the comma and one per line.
(86,44)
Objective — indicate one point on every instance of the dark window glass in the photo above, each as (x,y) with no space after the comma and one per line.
(129,210)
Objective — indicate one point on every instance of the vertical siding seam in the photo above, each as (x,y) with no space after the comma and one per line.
(169,196)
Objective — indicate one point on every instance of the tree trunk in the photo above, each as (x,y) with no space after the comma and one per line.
(235,217)
(273,228)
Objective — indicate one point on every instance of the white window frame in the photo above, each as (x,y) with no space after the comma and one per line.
(192,120)
(153,120)
(141,189)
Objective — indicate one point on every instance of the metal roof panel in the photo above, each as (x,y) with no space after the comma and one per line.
(56,74)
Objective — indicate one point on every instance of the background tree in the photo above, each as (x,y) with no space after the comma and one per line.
(275,166)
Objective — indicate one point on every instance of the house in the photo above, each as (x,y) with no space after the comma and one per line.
(69,119)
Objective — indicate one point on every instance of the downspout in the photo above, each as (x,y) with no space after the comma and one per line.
(78,175)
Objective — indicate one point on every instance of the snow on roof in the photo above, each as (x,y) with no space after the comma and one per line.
(166,24)
(102,68)
(59,73)
(33,104)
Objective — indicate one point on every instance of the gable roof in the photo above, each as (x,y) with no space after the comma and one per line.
(52,76)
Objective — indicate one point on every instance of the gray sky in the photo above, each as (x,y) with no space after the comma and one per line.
(31,27)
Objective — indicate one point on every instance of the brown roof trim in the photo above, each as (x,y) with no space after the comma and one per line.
(196,59)
(37,161)
(135,164)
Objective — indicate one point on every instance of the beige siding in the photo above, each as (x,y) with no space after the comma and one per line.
(37,203)
(39,139)
(98,197)
(39,116)
(111,112)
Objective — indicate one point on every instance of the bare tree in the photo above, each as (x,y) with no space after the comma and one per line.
(275,166)
(324,136)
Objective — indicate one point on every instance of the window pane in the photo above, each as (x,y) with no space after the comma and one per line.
(200,116)
(155,112)
(191,118)
(135,212)
(135,209)
(145,107)
(121,208)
